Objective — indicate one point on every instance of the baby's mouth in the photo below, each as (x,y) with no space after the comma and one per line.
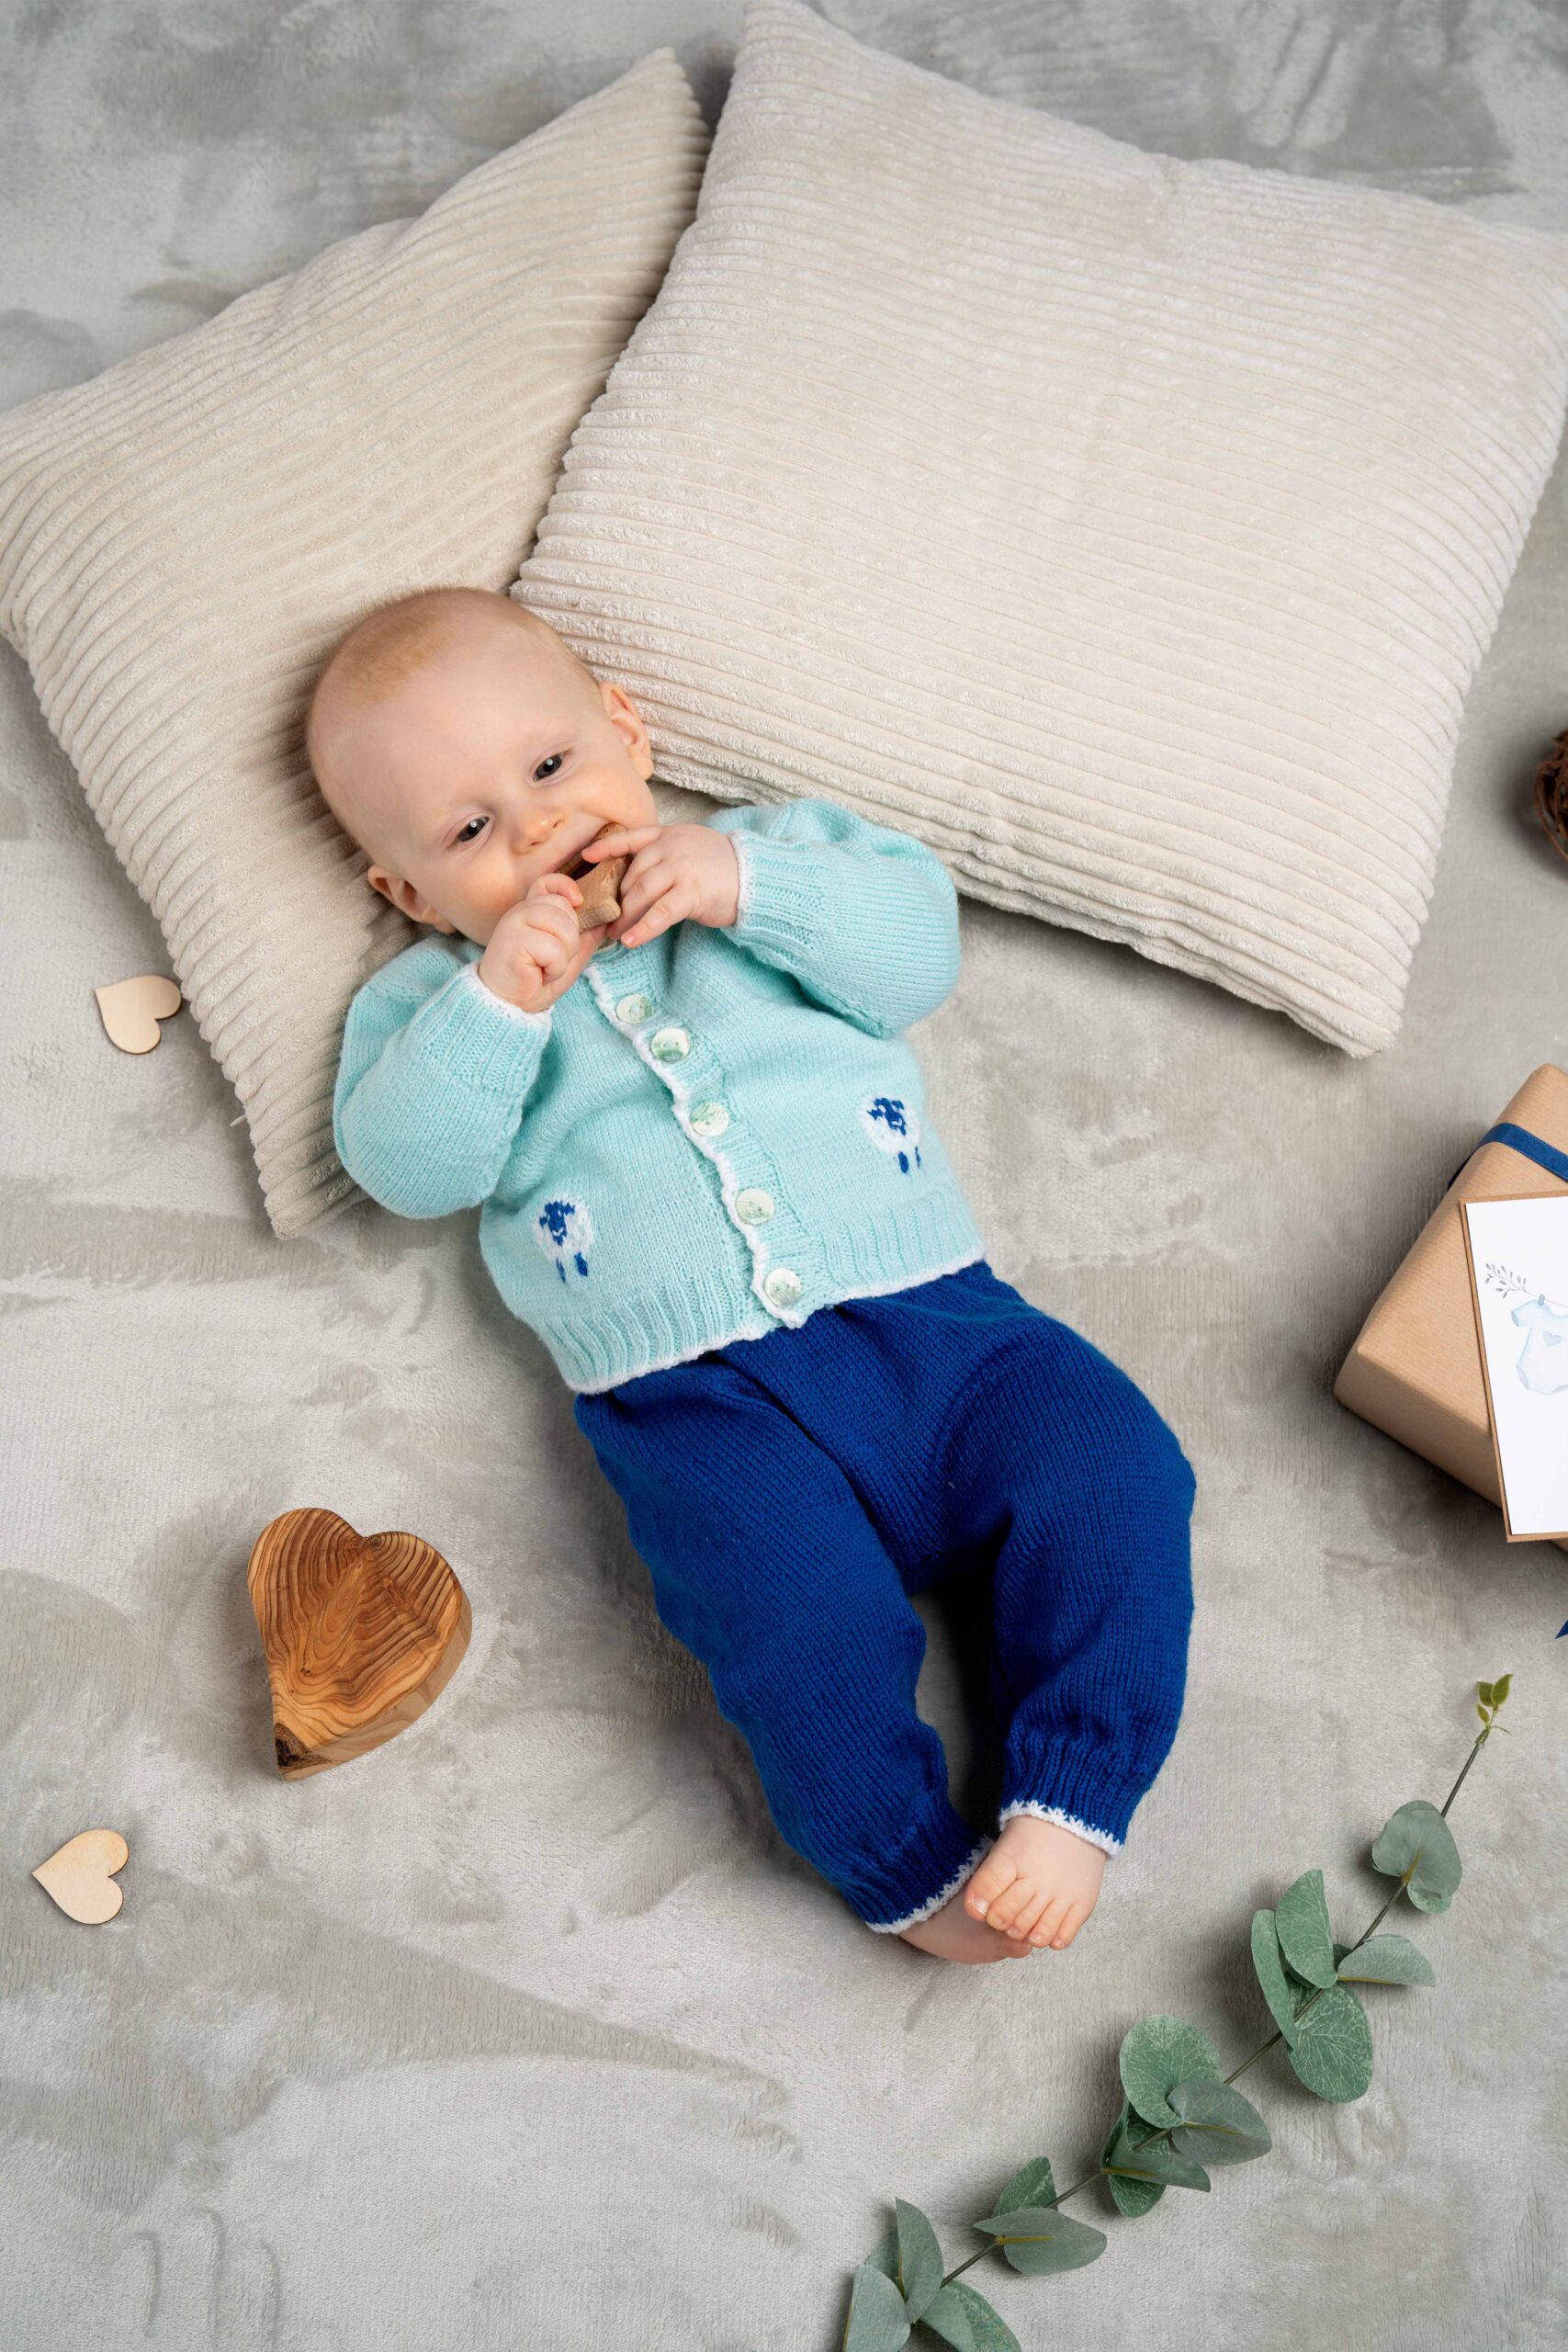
(573,863)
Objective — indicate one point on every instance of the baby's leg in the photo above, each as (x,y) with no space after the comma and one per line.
(1072,1477)
(765,1565)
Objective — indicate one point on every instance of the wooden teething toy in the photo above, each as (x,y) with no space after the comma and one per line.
(360,1633)
(600,879)
(80,1877)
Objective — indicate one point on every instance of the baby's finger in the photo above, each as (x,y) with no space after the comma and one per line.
(624,838)
(559,906)
(645,879)
(668,906)
(551,944)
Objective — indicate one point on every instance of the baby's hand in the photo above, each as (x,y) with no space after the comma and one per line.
(535,951)
(679,872)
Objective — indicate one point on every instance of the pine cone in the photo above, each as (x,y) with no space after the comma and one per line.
(1551,792)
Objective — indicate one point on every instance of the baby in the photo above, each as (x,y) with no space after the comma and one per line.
(695,1132)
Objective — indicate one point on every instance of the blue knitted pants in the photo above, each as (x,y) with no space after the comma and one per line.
(789,1493)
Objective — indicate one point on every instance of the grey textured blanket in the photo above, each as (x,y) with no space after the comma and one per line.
(528,2029)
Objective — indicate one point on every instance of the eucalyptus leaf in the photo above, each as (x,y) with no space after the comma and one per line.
(1156,2162)
(1218,2126)
(885,2256)
(1301,1987)
(1030,2185)
(1332,2050)
(1132,2198)
(920,2257)
(965,2320)
(1157,2053)
(1416,1846)
(1271,1975)
(1386,1959)
(1039,2238)
(1301,1922)
(878,2321)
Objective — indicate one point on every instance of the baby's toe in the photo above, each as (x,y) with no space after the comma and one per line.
(989,1881)
(1051,1916)
(1069,1927)
(1007,1907)
(1028,1911)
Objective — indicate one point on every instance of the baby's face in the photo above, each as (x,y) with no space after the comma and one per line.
(493,764)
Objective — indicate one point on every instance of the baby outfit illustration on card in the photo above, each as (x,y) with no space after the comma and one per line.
(1543,1363)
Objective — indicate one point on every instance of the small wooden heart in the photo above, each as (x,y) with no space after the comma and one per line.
(132,1009)
(600,879)
(360,1633)
(80,1877)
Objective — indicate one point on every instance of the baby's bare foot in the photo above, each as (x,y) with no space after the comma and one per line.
(952,1934)
(1037,1884)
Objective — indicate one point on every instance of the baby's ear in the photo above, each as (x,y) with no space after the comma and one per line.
(401,894)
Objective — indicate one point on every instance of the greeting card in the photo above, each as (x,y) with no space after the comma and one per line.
(1518,1272)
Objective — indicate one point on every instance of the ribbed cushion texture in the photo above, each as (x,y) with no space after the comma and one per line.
(183,538)
(1129,529)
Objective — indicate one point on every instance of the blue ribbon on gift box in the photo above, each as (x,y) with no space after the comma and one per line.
(1545,1155)
(1533,1147)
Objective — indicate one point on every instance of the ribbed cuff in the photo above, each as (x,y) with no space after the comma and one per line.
(476,1035)
(780,904)
(1082,1788)
(945,1893)
(922,1874)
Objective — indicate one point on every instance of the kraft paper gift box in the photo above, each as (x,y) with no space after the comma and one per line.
(1416,1370)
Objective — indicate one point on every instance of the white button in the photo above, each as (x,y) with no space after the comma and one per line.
(632,1009)
(709,1119)
(754,1206)
(669,1045)
(782,1287)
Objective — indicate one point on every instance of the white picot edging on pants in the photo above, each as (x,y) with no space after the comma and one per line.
(912,1919)
(1101,1837)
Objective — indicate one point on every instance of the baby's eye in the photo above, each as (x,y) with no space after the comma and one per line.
(461,840)
(546,767)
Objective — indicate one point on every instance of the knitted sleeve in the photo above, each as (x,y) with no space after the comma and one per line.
(865,917)
(432,1077)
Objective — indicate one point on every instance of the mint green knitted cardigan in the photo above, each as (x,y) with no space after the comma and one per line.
(706,1136)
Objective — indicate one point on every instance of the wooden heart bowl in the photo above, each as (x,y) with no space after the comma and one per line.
(360,1633)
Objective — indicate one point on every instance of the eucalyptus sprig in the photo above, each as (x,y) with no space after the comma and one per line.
(1178,2114)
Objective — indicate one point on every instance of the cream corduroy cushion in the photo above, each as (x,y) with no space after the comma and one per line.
(183,538)
(1128,529)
